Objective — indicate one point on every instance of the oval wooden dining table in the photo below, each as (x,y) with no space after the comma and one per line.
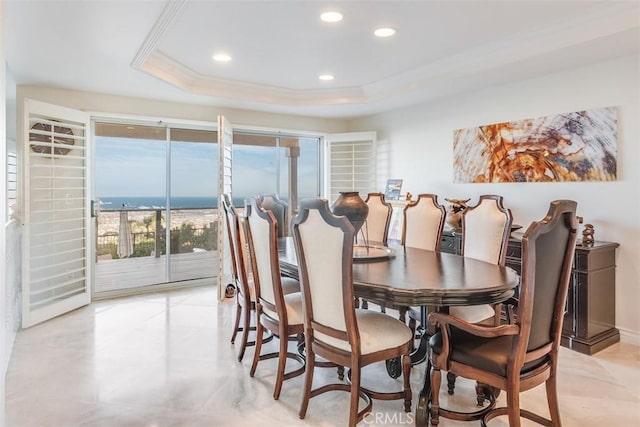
(416,277)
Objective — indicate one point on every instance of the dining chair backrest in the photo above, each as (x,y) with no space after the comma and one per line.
(231,223)
(423,223)
(376,226)
(324,249)
(485,230)
(262,238)
(237,245)
(279,208)
(548,248)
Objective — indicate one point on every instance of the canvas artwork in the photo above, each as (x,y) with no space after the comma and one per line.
(578,146)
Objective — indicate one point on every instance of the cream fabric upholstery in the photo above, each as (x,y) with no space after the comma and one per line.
(376,224)
(484,228)
(377,332)
(278,208)
(293,303)
(261,240)
(421,225)
(323,245)
(289,285)
(473,313)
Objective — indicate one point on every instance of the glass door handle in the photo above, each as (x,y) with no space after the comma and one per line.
(95,208)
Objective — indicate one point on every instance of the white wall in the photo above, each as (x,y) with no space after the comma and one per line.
(4,354)
(419,145)
(97,102)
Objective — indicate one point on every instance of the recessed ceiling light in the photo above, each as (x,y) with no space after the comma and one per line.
(222,57)
(331,16)
(384,32)
(325,77)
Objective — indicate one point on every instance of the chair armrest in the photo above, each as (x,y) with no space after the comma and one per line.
(446,320)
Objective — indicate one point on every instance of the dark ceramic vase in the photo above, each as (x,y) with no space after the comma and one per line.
(351,205)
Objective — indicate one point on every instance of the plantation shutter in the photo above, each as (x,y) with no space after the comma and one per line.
(55,214)
(225,146)
(351,163)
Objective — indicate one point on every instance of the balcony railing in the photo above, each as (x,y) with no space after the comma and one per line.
(192,230)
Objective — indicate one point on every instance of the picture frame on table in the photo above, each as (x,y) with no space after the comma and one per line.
(392,189)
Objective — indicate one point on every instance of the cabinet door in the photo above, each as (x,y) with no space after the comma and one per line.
(569,324)
(450,244)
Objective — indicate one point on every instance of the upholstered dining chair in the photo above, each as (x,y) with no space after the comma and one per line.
(485,235)
(334,329)
(423,223)
(245,296)
(376,227)
(518,356)
(276,311)
(279,209)
(242,278)
(422,228)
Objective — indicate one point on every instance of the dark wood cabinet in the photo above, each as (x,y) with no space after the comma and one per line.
(589,322)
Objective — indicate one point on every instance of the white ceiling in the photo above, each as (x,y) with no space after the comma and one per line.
(162,50)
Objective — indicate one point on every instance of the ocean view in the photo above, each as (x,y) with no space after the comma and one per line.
(142,203)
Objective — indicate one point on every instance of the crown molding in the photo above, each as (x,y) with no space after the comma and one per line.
(171,11)
(601,21)
(175,73)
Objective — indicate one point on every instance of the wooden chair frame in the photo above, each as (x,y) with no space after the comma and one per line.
(278,326)
(419,314)
(425,198)
(244,305)
(379,198)
(280,210)
(502,257)
(507,227)
(544,357)
(352,359)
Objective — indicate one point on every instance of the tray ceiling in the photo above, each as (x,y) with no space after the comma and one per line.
(163,50)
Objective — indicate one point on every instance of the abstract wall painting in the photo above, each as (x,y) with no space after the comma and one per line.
(578,146)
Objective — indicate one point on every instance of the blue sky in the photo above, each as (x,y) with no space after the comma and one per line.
(136,167)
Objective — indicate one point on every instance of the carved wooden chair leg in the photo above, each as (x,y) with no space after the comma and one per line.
(435,398)
(403,315)
(480,394)
(236,324)
(412,326)
(451,382)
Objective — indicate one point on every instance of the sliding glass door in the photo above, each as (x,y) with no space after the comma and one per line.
(153,185)
(156,188)
(286,165)
(193,187)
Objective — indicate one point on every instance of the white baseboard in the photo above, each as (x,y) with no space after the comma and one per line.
(629,337)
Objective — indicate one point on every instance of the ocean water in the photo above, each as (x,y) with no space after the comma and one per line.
(133,203)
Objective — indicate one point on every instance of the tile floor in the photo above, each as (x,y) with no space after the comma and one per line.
(165,360)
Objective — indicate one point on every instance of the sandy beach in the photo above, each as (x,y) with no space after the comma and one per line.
(109,221)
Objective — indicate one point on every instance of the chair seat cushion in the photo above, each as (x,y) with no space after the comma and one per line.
(487,354)
(473,313)
(378,331)
(289,285)
(293,303)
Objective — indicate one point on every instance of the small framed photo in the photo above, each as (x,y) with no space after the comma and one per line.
(392,190)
